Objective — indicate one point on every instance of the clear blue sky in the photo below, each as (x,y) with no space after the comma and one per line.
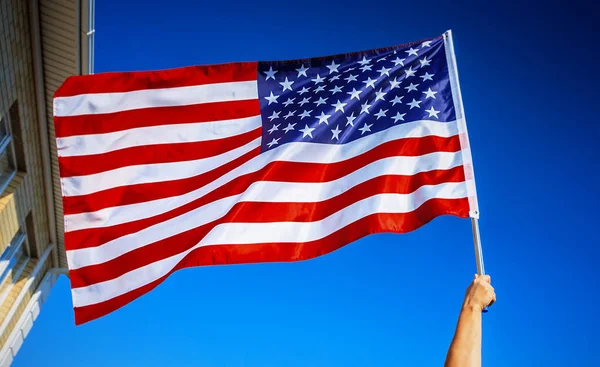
(528,83)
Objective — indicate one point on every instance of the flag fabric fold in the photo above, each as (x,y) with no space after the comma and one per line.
(253,162)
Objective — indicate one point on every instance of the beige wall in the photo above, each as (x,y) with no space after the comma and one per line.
(63,48)
(25,194)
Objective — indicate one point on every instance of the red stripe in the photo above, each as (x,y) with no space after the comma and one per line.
(274,171)
(157,79)
(152,154)
(124,195)
(276,252)
(259,212)
(145,117)
(307,172)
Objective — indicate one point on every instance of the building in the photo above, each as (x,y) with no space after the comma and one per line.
(42,42)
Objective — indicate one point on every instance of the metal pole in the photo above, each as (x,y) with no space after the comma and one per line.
(478,251)
(90,35)
(465,148)
(477,243)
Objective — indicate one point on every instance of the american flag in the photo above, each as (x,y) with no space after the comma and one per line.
(253,162)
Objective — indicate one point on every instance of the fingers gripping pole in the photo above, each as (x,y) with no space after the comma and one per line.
(478,251)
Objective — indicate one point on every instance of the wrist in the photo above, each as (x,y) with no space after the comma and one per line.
(471,307)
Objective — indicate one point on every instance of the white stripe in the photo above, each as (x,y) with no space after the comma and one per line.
(297,152)
(96,103)
(138,174)
(165,134)
(293,152)
(248,233)
(262,191)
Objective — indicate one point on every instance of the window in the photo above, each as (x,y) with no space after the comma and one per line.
(18,148)
(13,260)
(4,130)
(30,229)
(12,254)
(12,263)
(8,162)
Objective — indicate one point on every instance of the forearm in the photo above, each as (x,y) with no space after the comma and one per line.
(465,349)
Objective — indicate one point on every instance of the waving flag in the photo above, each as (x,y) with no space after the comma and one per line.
(253,162)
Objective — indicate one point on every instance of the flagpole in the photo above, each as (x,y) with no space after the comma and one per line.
(477,242)
(465,149)
(478,250)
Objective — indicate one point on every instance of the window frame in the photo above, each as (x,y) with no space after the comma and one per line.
(18,246)
(17,249)
(5,145)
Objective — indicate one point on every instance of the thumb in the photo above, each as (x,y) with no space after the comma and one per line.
(486,278)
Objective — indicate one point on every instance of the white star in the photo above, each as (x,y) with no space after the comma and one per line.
(336,133)
(394,83)
(321,101)
(432,112)
(349,69)
(335,89)
(333,68)
(365,128)
(304,101)
(381,113)
(414,104)
(274,128)
(382,59)
(290,127)
(335,77)
(365,107)
(366,67)
(274,116)
(320,88)
(302,71)
(272,98)
(370,82)
(399,116)
(307,131)
(429,93)
(289,102)
(305,114)
(398,99)
(273,142)
(364,61)
(384,70)
(411,87)
(318,79)
(354,94)
(410,72)
(350,78)
(427,76)
(303,90)
(286,84)
(323,118)
(424,62)
(270,73)
(398,61)
(290,114)
(379,95)
(350,120)
(426,44)
(339,106)
(412,51)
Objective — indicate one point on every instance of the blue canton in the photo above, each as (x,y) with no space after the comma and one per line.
(335,100)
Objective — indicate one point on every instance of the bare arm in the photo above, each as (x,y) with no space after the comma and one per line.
(465,349)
